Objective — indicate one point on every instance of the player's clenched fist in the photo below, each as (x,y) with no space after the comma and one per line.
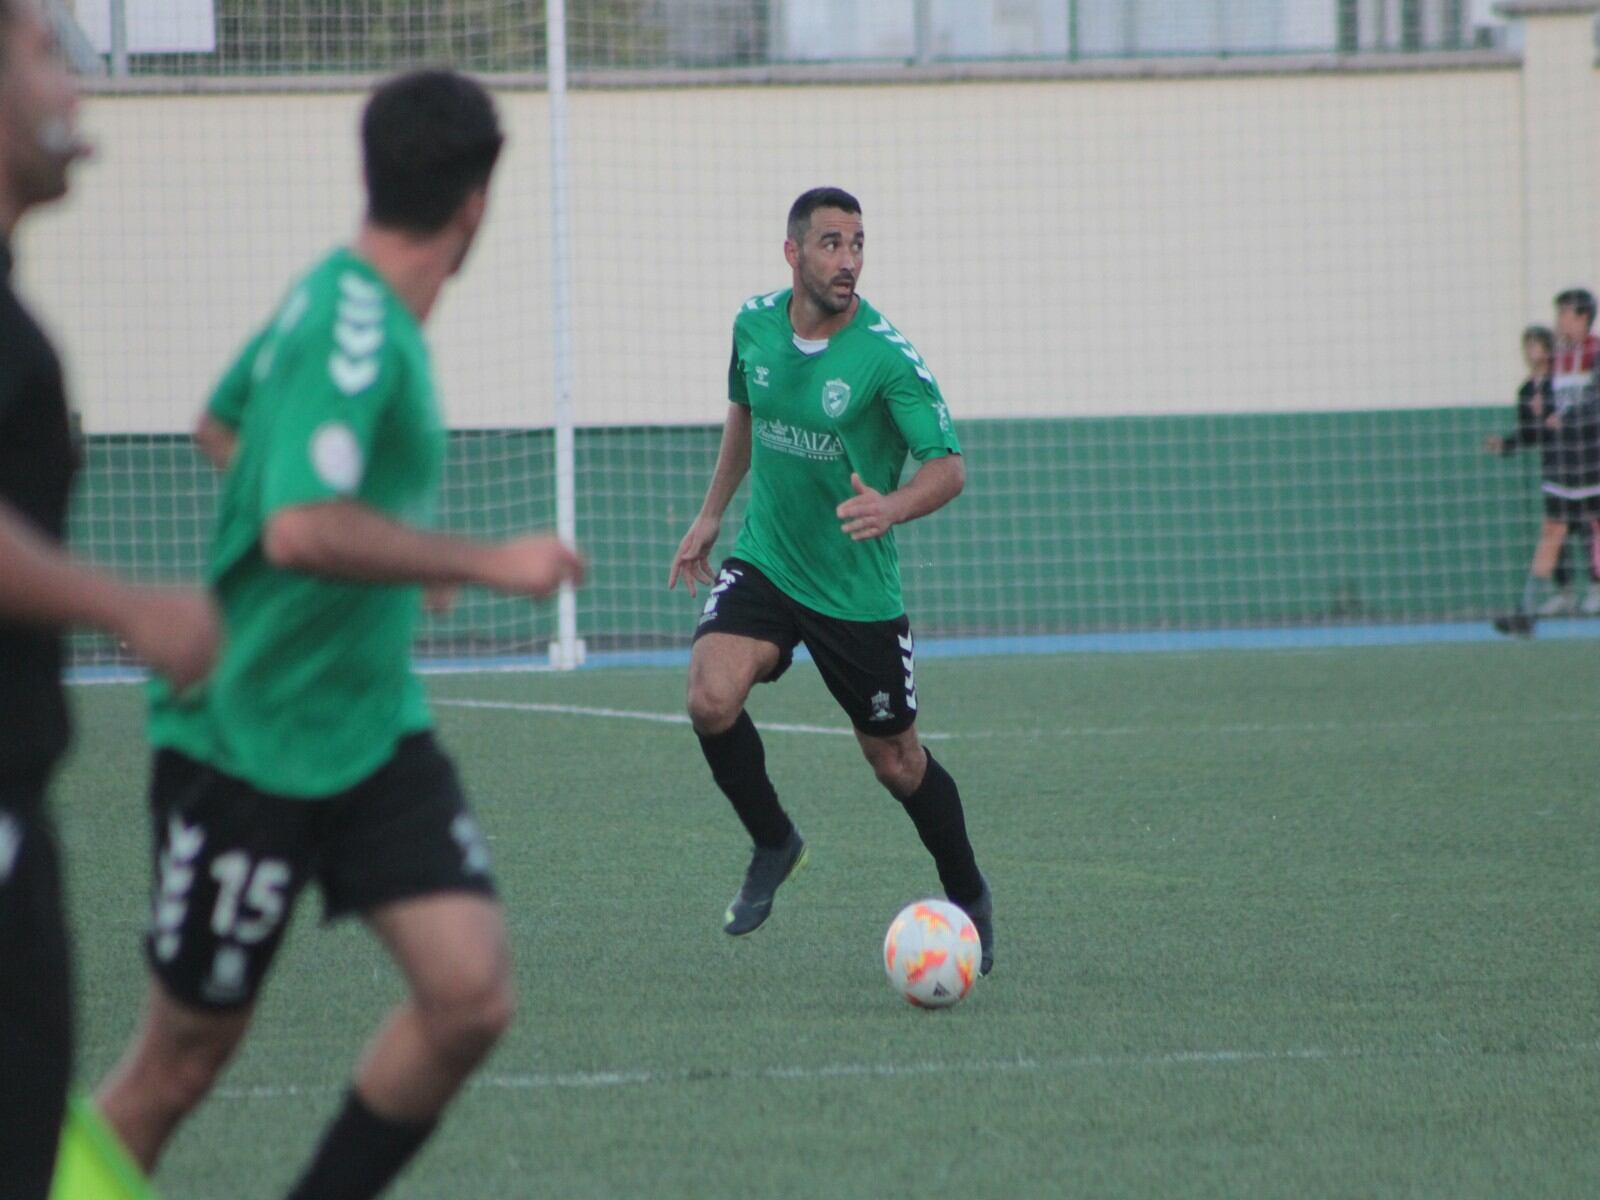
(175,631)
(532,566)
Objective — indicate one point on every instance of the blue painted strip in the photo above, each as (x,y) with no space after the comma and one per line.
(104,675)
(1299,638)
(1310,637)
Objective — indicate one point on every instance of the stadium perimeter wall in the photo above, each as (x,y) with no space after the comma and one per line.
(1341,237)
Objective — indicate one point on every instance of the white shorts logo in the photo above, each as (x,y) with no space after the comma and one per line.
(725,580)
(909,662)
(474,850)
(337,457)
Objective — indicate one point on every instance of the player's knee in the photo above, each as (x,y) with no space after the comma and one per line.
(465,1021)
(713,709)
(898,767)
(898,780)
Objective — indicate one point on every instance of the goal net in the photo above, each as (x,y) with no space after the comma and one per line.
(1225,299)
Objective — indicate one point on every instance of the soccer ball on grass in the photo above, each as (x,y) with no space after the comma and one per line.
(931,953)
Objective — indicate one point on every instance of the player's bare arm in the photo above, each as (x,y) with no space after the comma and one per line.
(174,630)
(693,558)
(871,514)
(216,441)
(344,539)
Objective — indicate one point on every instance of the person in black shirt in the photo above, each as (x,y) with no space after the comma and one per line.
(1534,406)
(43,591)
(1559,410)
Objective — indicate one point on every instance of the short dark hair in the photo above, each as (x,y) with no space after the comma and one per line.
(1542,335)
(429,139)
(1580,300)
(819,197)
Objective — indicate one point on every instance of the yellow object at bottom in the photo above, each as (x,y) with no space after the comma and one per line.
(92,1163)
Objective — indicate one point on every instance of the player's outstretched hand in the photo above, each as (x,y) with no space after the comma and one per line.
(534,566)
(693,560)
(174,630)
(867,514)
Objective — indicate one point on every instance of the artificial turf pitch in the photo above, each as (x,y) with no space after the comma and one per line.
(1270,924)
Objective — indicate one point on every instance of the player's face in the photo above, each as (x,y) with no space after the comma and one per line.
(828,259)
(1536,356)
(1571,325)
(38,108)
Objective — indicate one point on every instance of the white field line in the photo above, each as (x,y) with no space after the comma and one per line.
(1252,728)
(600,1080)
(1245,729)
(659,718)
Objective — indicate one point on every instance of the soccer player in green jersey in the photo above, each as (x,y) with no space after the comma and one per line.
(826,400)
(308,756)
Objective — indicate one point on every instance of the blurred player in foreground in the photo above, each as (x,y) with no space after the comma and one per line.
(42,592)
(310,757)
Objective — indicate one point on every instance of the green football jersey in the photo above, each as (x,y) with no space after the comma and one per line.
(333,401)
(819,411)
(232,392)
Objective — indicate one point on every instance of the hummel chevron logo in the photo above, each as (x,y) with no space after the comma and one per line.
(352,375)
(894,336)
(908,662)
(359,290)
(184,841)
(361,312)
(358,341)
(176,868)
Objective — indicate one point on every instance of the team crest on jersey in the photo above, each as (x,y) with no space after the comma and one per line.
(835,397)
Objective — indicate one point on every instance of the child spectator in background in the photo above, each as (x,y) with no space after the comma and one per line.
(1559,408)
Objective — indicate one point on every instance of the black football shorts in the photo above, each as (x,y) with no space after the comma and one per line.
(868,666)
(230,861)
(35,999)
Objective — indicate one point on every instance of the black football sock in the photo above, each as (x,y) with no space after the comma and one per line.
(360,1154)
(935,809)
(739,765)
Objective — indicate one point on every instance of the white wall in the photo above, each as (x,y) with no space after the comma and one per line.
(1263,243)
